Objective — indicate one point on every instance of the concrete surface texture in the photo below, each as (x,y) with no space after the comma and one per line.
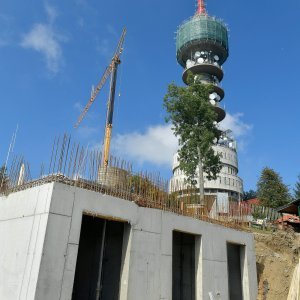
(40,230)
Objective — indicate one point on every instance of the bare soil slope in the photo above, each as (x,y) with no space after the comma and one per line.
(277,255)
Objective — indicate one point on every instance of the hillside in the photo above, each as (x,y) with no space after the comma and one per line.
(277,255)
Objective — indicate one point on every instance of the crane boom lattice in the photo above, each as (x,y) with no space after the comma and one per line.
(94,95)
(107,72)
(110,70)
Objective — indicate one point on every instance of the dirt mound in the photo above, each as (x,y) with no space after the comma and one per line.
(277,255)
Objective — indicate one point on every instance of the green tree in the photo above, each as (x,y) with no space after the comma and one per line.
(271,191)
(251,194)
(3,179)
(297,189)
(194,123)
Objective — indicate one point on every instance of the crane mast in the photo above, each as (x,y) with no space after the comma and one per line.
(111,70)
(110,112)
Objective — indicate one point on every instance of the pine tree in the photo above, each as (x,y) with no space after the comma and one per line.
(193,119)
(271,191)
(297,189)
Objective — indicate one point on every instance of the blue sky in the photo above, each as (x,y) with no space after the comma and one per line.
(52,52)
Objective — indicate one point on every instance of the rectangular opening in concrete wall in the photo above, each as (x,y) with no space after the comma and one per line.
(234,267)
(183,266)
(99,259)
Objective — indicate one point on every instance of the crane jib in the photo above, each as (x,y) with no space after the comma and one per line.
(110,70)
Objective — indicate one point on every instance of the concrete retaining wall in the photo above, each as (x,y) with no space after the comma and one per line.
(40,230)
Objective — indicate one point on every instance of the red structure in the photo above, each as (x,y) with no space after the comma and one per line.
(290,215)
(253,201)
(201,7)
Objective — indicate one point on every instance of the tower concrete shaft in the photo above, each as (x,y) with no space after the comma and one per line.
(201,49)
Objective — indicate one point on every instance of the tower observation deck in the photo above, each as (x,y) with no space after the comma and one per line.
(202,48)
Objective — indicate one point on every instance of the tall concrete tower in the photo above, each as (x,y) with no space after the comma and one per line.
(202,48)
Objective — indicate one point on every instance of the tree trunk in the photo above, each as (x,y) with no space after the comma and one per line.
(200,178)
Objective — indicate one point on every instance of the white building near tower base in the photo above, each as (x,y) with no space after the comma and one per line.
(228,181)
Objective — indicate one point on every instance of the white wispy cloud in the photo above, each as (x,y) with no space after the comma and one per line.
(103,47)
(6,30)
(52,13)
(3,42)
(236,124)
(81,22)
(111,30)
(106,45)
(44,39)
(156,145)
(78,106)
(86,131)
(240,129)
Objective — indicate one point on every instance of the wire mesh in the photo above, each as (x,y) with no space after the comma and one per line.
(202,27)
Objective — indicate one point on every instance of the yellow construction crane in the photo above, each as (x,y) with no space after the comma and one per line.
(110,70)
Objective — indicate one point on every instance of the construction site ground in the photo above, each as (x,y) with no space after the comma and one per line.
(277,255)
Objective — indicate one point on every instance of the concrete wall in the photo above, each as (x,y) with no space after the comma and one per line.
(23,222)
(39,257)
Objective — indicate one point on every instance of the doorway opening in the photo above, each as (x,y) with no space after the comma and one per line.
(99,260)
(234,256)
(183,266)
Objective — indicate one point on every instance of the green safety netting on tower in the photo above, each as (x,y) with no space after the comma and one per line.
(201,27)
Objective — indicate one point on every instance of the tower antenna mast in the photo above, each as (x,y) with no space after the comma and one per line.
(201,7)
